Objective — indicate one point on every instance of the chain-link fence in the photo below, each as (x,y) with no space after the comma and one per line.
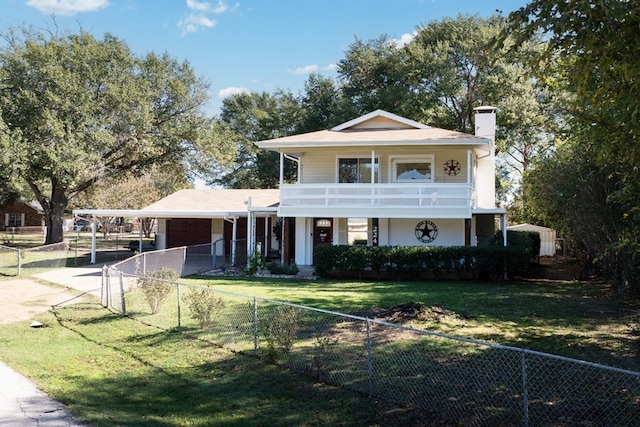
(469,382)
(24,259)
(18,261)
(10,262)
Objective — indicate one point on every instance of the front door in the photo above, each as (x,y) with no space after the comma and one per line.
(322,232)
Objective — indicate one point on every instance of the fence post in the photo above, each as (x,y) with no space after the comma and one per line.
(255,325)
(19,262)
(369,361)
(124,310)
(525,390)
(144,264)
(179,313)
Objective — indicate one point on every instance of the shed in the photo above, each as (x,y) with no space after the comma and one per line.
(547,237)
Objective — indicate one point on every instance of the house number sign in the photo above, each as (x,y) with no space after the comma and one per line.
(426,231)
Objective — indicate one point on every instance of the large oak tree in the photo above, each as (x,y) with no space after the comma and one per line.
(78,110)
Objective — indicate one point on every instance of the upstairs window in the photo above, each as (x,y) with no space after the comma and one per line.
(357,170)
(414,169)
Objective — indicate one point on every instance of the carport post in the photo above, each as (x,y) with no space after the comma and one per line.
(251,232)
(94,227)
(234,242)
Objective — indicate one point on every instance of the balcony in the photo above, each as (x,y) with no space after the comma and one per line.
(414,200)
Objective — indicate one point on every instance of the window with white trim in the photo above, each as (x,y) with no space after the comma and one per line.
(357,170)
(412,169)
(14,220)
(357,231)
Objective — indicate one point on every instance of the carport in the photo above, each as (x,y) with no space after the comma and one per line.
(213,217)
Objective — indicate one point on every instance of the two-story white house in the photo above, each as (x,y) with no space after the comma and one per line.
(382,179)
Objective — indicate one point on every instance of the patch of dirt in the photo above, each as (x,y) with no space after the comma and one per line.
(410,311)
(550,269)
(21,299)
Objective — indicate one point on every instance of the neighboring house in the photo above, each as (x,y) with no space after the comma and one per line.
(387,180)
(380,179)
(22,216)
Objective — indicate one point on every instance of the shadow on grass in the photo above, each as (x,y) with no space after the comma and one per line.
(141,376)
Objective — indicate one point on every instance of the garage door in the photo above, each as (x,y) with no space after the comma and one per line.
(188,232)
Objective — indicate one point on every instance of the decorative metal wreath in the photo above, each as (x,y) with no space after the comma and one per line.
(452,167)
(426,231)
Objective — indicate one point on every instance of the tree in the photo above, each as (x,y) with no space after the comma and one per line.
(81,110)
(373,76)
(594,47)
(323,105)
(9,192)
(250,117)
(132,192)
(449,68)
(597,46)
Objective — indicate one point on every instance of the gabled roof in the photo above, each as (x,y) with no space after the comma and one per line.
(219,201)
(392,121)
(378,128)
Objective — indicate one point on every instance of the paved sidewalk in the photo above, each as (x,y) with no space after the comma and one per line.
(22,404)
(85,279)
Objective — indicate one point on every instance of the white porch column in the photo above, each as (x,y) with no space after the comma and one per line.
(503,227)
(251,231)
(281,167)
(373,166)
(94,227)
(267,237)
(234,240)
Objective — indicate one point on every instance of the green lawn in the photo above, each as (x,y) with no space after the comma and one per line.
(124,371)
(572,319)
(116,371)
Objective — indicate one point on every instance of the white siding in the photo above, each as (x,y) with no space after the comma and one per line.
(320,165)
(402,232)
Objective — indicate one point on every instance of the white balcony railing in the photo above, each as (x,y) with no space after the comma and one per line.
(371,200)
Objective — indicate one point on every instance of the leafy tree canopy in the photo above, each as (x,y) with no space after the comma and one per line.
(250,117)
(80,110)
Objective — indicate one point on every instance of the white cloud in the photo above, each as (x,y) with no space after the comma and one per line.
(307,69)
(331,67)
(67,7)
(205,6)
(199,16)
(405,39)
(227,92)
(195,21)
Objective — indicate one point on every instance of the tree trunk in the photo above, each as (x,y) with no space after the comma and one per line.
(54,216)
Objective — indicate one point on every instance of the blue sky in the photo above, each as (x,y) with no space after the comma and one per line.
(246,45)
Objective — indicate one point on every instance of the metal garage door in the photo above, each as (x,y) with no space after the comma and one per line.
(188,232)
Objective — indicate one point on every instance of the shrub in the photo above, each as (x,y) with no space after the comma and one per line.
(256,262)
(280,329)
(485,262)
(287,269)
(204,306)
(156,287)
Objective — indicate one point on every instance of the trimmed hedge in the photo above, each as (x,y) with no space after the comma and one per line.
(526,239)
(413,261)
